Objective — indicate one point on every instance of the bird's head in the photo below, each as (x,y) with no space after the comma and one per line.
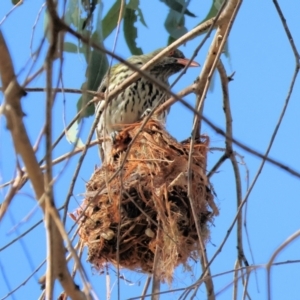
(173,62)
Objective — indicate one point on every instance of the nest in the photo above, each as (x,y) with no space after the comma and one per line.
(144,210)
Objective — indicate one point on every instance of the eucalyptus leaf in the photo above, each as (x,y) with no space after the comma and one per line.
(73,14)
(226,50)
(14,2)
(89,111)
(216,5)
(99,26)
(97,67)
(71,136)
(130,31)
(70,47)
(46,24)
(110,21)
(171,40)
(178,7)
(141,16)
(85,49)
(98,63)
(175,24)
(134,4)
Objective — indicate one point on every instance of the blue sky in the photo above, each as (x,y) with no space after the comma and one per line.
(262,58)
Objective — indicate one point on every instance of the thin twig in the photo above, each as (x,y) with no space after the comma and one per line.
(13,8)
(34,26)
(273,257)
(288,33)
(230,154)
(61,90)
(146,286)
(249,268)
(25,281)
(216,47)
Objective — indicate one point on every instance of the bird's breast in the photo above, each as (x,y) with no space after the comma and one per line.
(129,106)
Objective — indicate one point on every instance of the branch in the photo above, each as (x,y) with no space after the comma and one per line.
(13,112)
(138,72)
(60,90)
(213,56)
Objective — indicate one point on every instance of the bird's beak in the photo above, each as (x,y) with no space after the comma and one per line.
(185,61)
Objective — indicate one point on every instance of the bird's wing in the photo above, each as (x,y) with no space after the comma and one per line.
(99,107)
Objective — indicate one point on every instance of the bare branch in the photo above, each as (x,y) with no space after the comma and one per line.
(13,113)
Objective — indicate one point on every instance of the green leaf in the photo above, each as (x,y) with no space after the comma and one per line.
(98,63)
(175,24)
(73,14)
(46,24)
(171,40)
(134,4)
(213,10)
(110,21)
(130,31)
(97,67)
(178,7)
(14,2)
(99,26)
(71,136)
(89,111)
(226,50)
(141,16)
(70,47)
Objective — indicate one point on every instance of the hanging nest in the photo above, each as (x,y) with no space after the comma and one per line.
(145,209)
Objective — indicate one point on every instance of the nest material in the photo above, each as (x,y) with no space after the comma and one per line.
(145,209)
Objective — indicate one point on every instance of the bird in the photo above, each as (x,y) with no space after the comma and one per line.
(139,98)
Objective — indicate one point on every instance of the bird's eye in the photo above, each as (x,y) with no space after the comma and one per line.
(171,53)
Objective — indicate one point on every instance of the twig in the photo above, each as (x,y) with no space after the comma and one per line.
(229,153)
(146,286)
(235,281)
(34,26)
(250,268)
(54,162)
(9,196)
(25,281)
(212,59)
(14,7)
(79,164)
(216,47)
(122,7)
(13,113)
(62,90)
(273,257)
(156,274)
(188,90)
(138,72)
(288,33)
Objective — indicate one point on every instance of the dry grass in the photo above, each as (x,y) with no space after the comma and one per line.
(149,203)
